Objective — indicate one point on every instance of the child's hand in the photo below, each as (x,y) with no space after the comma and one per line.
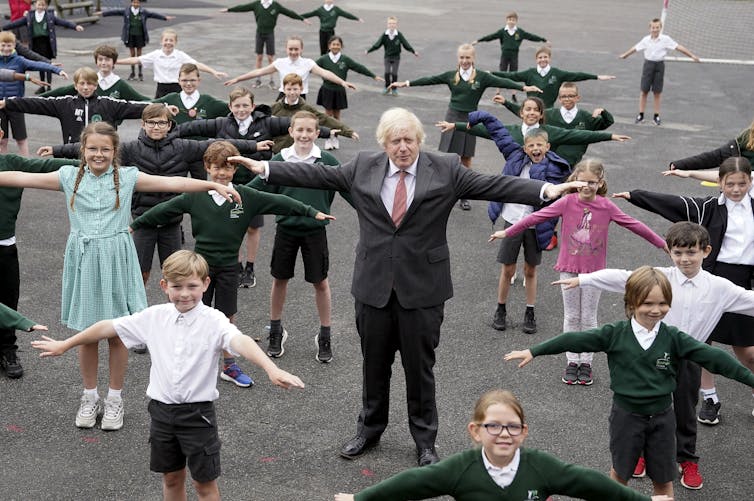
(625,195)
(341,496)
(79,27)
(224,10)
(442,124)
(230,194)
(348,85)
(49,347)
(169,18)
(620,137)
(497,235)
(499,99)
(605,77)
(379,79)
(38,327)
(321,216)
(265,145)
(531,88)
(254,166)
(220,74)
(355,136)
(666,249)
(525,356)
(398,85)
(44,151)
(284,379)
(232,81)
(307,22)
(416,54)
(63,74)
(334,132)
(661,497)
(2,104)
(677,173)
(567,283)
(173,109)
(597,112)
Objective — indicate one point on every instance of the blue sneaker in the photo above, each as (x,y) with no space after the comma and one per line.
(236,375)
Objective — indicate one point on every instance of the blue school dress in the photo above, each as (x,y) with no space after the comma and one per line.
(101,273)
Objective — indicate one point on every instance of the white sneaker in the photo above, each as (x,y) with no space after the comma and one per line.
(89,409)
(112,419)
(328,144)
(335,143)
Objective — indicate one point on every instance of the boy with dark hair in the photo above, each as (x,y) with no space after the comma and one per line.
(699,300)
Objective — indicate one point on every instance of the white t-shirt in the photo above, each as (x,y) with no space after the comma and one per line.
(166,67)
(301,67)
(184,348)
(655,49)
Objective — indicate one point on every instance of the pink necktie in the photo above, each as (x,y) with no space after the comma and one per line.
(399,201)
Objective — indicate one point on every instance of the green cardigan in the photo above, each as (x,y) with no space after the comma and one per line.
(392,47)
(465,96)
(219,230)
(206,107)
(550,83)
(119,90)
(510,44)
(556,135)
(11,319)
(328,18)
(642,380)
(341,68)
(464,477)
(266,18)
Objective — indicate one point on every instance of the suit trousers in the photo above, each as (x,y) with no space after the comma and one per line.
(685,398)
(415,333)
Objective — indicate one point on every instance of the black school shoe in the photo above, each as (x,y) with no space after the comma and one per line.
(10,363)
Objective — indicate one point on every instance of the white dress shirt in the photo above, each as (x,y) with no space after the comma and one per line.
(387,193)
(738,240)
(190,100)
(698,302)
(643,336)
(166,67)
(243,125)
(290,155)
(302,67)
(568,115)
(543,71)
(506,475)
(108,81)
(514,213)
(466,74)
(655,49)
(184,348)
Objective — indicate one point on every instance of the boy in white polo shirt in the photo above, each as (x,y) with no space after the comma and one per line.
(185,338)
(655,47)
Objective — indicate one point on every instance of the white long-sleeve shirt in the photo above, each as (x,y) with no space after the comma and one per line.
(698,302)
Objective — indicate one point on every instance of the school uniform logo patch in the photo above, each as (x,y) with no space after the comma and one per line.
(664,362)
(95,118)
(236,211)
(532,495)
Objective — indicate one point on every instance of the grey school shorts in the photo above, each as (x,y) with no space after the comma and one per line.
(652,76)
(652,436)
(511,246)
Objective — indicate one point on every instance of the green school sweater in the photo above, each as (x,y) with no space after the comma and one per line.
(319,199)
(510,44)
(206,107)
(328,19)
(643,381)
(10,198)
(11,319)
(266,19)
(119,90)
(584,120)
(281,109)
(464,477)
(465,96)
(392,47)
(550,83)
(556,135)
(341,68)
(219,230)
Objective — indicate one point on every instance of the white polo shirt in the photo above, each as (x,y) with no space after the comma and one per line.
(166,67)
(184,348)
(301,67)
(655,49)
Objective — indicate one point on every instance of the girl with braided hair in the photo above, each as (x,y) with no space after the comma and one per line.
(101,274)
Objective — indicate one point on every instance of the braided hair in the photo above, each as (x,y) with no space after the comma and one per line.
(103,129)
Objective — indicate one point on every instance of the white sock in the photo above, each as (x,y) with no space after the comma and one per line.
(113,393)
(710,393)
(92,393)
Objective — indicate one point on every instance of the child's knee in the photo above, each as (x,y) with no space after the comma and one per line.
(174,479)
(207,490)
(530,270)
(508,270)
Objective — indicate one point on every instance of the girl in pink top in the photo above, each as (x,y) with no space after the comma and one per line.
(586,218)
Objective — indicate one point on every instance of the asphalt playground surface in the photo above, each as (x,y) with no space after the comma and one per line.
(283,446)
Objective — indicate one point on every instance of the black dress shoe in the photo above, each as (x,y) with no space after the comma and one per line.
(357,446)
(427,456)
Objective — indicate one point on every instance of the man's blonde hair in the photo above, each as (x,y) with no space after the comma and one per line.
(184,264)
(396,120)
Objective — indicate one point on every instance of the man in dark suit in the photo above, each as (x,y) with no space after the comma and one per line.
(401,278)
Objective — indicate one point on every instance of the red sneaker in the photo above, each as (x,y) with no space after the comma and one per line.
(553,242)
(641,469)
(690,477)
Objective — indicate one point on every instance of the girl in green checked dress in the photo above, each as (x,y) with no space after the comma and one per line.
(101,275)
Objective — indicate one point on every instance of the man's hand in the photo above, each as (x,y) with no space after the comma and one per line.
(254,166)
(554,191)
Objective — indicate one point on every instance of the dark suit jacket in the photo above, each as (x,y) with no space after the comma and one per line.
(412,259)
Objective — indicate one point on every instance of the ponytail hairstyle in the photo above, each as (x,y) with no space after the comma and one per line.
(470,48)
(593,166)
(103,129)
(750,142)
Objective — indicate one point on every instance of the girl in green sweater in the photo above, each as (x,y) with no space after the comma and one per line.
(501,470)
(643,355)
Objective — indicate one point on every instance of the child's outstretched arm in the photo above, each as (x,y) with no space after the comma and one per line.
(51,348)
(329,75)
(207,69)
(498,235)
(175,184)
(683,50)
(628,53)
(525,356)
(710,176)
(267,70)
(567,283)
(249,349)
(17,179)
